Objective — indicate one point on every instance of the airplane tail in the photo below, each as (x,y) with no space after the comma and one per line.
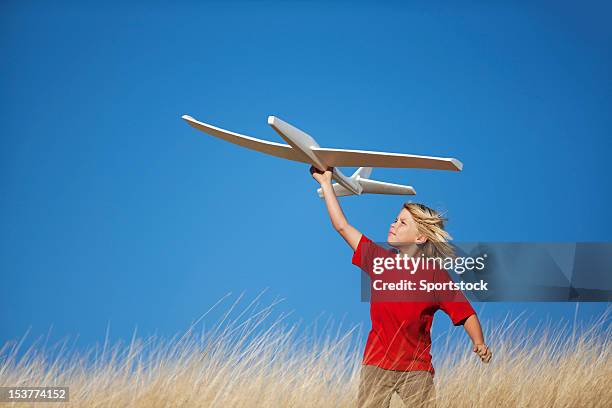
(363,172)
(370,186)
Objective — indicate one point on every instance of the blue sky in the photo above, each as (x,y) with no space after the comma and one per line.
(114,211)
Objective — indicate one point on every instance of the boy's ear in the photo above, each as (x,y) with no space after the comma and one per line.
(421,239)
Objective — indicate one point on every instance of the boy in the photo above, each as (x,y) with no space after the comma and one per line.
(396,356)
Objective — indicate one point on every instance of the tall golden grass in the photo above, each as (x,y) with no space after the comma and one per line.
(252,358)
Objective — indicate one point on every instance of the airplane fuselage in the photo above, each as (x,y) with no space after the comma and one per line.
(303,143)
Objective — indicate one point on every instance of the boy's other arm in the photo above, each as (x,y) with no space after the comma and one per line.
(473,329)
(350,234)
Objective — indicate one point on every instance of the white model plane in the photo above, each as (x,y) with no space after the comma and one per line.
(303,148)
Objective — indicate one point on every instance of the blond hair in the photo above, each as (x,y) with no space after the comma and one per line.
(431,224)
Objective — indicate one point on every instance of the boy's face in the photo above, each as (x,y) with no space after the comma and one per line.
(404,230)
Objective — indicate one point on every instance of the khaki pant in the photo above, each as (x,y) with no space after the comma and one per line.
(377,385)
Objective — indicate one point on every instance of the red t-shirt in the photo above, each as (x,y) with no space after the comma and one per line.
(400,335)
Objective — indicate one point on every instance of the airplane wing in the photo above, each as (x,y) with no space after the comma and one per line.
(364,158)
(274,149)
(331,157)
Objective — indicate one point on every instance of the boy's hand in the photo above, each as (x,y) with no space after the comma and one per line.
(321,176)
(483,352)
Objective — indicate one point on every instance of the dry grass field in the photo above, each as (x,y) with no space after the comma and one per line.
(252,358)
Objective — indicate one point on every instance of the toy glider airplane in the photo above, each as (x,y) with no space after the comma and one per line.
(303,148)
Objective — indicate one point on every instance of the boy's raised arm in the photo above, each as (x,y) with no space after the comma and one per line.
(350,234)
